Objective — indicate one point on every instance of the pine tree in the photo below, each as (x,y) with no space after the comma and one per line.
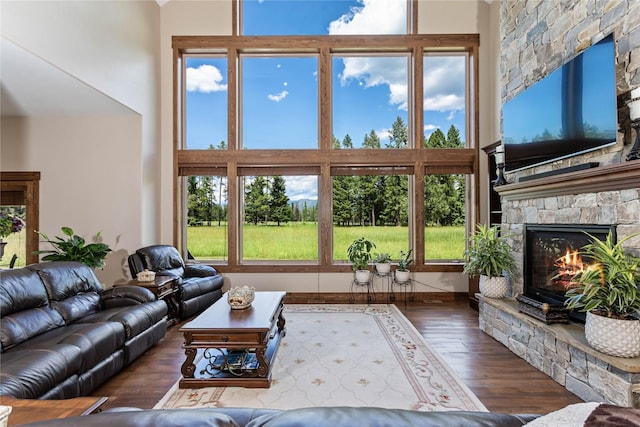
(278,201)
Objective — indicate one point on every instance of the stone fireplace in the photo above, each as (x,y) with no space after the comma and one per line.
(535,39)
(551,257)
(560,204)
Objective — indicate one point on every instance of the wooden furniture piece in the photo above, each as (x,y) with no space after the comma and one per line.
(220,333)
(31,410)
(164,288)
(23,188)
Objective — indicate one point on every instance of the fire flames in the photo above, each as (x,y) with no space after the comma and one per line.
(568,266)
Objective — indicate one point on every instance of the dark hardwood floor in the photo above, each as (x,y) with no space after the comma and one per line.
(500,379)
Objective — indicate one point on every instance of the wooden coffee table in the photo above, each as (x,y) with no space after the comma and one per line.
(234,347)
(31,410)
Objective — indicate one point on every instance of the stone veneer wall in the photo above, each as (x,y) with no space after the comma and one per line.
(561,352)
(537,37)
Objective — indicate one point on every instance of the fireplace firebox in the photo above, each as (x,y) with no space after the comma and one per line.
(551,258)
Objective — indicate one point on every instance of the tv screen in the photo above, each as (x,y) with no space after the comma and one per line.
(570,111)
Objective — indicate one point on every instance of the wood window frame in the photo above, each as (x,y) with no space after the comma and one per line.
(326,158)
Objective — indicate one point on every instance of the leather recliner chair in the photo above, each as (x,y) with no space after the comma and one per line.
(199,285)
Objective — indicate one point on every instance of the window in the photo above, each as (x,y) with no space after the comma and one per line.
(322,17)
(331,138)
(206,102)
(280,218)
(370,100)
(445,94)
(207,211)
(279,102)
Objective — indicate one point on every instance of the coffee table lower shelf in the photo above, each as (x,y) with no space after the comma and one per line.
(222,378)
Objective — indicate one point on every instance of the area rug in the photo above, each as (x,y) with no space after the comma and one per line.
(345,355)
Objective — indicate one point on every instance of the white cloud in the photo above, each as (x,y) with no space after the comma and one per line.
(205,78)
(444,75)
(279,96)
(430,127)
(373,17)
(302,187)
(444,83)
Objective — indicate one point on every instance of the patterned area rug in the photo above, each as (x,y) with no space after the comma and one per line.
(345,355)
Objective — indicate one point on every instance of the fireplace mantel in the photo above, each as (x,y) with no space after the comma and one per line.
(604,178)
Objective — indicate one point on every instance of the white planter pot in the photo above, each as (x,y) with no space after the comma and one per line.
(493,287)
(615,337)
(362,276)
(402,276)
(383,268)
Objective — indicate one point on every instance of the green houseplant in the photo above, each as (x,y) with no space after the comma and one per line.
(402,272)
(488,255)
(74,248)
(383,262)
(359,253)
(607,290)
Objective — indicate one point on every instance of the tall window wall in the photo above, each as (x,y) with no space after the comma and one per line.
(289,147)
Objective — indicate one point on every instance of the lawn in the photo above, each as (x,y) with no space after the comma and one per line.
(299,241)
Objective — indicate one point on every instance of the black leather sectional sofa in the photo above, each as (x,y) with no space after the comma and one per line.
(62,334)
(306,417)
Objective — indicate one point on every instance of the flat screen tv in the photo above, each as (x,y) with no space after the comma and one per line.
(570,111)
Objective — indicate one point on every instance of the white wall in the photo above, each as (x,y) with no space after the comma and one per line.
(98,173)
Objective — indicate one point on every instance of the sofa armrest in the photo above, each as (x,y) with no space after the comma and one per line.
(199,270)
(119,296)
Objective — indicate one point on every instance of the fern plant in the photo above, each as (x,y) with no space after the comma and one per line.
(488,253)
(75,248)
(609,285)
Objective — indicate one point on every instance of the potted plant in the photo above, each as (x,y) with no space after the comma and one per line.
(607,290)
(359,253)
(383,263)
(402,272)
(488,256)
(74,248)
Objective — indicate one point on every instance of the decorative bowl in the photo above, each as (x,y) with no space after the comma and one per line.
(241,297)
(146,276)
(4,415)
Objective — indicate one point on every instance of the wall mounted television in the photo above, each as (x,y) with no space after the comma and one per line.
(571,111)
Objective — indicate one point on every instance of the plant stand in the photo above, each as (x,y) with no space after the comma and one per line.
(407,289)
(371,293)
(389,282)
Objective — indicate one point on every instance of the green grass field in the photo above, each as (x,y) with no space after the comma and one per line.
(299,241)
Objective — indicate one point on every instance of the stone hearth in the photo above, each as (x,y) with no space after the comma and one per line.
(561,351)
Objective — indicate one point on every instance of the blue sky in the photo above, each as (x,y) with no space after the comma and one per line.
(279,95)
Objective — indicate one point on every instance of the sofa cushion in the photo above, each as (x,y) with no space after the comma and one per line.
(134,318)
(96,341)
(24,308)
(73,288)
(29,373)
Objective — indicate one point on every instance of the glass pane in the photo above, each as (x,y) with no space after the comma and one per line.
(445,219)
(13,244)
(370,101)
(371,206)
(279,102)
(206,102)
(321,17)
(280,218)
(207,217)
(445,95)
